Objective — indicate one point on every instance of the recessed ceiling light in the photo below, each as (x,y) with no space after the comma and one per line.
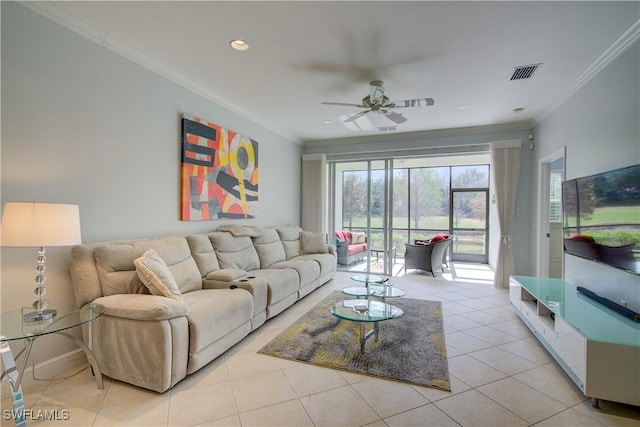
(327,122)
(239,44)
(464,107)
(518,110)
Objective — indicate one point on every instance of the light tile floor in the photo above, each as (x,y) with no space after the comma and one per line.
(500,376)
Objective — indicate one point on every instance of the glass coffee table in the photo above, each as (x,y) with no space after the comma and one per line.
(365,311)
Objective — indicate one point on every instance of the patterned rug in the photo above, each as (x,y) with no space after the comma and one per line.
(411,348)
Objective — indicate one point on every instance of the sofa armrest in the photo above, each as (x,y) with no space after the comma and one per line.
(332,249)
(225,275)
(142,307)
(342,247)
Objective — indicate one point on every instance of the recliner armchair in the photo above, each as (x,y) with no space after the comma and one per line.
(427,256)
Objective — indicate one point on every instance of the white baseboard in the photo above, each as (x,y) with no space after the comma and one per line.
(49,369)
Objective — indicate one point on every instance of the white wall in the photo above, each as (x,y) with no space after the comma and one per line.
(83,125)
(599,126)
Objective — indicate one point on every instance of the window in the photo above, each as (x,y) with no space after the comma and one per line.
(555,197)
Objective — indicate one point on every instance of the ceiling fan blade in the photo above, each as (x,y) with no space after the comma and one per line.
(344,104)
(395,117)
(362,123)
(355,116)
(408,103)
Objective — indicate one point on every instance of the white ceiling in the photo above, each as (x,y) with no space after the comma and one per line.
(302,53)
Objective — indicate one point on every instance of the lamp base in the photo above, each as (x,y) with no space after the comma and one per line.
(36,316)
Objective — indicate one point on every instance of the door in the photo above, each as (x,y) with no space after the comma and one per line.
(361,193)
(469,219)
(469,216)
(549,231)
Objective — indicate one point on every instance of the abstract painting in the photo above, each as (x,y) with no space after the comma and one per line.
(219,172)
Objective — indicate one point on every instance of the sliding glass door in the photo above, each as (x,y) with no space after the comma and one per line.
(469,213)
(361,198)
(396,201)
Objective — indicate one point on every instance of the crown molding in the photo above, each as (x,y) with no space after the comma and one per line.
(71,21)
(628,38)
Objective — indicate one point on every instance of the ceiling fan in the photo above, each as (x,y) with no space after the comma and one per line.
(377,102)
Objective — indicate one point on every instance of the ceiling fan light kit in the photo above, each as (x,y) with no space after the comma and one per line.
(377,102)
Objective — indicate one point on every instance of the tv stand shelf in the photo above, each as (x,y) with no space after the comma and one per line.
(598,348)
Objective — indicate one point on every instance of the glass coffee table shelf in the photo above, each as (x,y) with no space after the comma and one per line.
(369,279)
(365,311)
(374,291)
(14,328)
(374,285)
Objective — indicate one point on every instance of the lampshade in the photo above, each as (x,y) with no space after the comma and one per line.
(28,224)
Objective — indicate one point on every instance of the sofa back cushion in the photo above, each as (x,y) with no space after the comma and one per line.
(236,253)
(203,253)
(269,247)
(290,238)
(313,243)
(117,272)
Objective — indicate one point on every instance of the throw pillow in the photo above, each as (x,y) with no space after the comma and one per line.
(313,243)
(439,237)
(583,238)
(156,276)
(358,237)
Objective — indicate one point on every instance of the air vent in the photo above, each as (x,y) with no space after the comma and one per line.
(524,71)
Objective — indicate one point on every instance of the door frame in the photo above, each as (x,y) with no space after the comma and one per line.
(542,220)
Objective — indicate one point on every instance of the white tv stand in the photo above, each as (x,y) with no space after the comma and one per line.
(598,348)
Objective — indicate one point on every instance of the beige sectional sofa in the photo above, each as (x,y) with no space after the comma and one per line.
(230,282)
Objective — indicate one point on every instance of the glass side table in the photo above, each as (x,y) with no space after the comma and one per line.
(13,328)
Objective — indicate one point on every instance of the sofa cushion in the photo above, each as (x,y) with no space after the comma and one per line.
(348,237)
(233,307)
(269,247)
(312,243)
(290,238)
(156,276)
(327,262)
(281,283)
(203,253)
(357,248)
(340,235)
(114,262)
(308,270)
(235,253)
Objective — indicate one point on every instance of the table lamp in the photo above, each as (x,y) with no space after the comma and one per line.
(28,224)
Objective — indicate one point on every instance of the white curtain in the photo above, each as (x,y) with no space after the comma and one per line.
(505,167)
(314,197)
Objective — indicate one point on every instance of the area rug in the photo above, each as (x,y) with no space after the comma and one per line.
(411,348)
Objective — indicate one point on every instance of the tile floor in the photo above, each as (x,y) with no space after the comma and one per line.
(499,373)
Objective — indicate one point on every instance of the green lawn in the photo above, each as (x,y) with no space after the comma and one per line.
(611,215)
(427,223)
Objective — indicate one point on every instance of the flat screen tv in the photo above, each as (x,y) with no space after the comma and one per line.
(601,217)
